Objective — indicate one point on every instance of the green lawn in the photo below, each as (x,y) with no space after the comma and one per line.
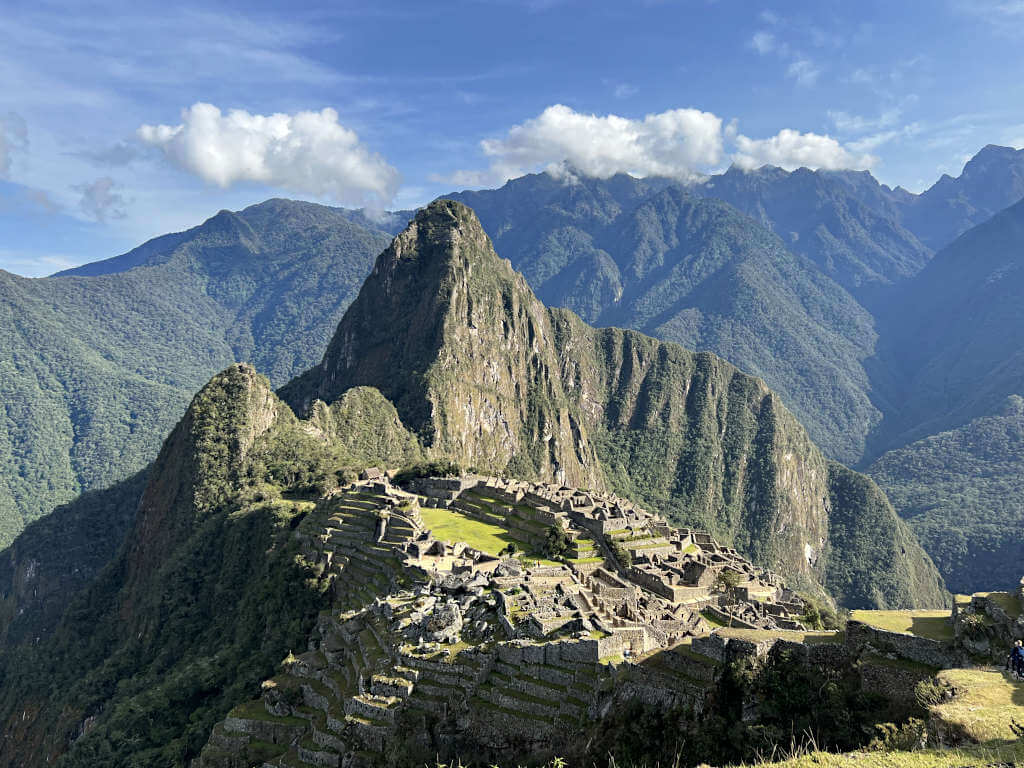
(934,625)
(451,525)
(965,757)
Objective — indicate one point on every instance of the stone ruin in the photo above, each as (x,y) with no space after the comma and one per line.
(673,583)
(501,647)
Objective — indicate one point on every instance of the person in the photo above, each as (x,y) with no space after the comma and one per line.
(1017,657)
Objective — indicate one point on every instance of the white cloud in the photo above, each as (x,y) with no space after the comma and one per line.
(801,68)
(804,71)
(307,152)
(846,123)
(680,143)
(791,149)
(101,200)
(763,42)
(13,136)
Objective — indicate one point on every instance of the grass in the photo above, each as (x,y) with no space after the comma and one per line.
(985,705)
(903,665)
(451,525)
(255,710)
(933,625)
(971,757)
(712,620)
(1004,600)
(757,635)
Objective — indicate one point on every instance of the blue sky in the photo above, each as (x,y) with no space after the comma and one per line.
(119,122)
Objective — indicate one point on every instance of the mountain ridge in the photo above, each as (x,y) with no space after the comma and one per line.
(488,376)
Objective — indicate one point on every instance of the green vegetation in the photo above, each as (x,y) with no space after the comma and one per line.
(97,365)
(866,531)
(962,493)
(438,468)
(757,635)
(1009,602)
(934,625)
(820,615)
(792,699)
(727,579)
(647,254)
(210,592)
(985,706)
(556,542)
(619,552)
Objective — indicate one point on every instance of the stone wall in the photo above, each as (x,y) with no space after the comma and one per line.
(864,639)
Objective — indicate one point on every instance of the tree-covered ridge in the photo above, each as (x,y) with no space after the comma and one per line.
(846,223)
(962,492)
(97,364)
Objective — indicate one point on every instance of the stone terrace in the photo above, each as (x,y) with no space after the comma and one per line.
(428,630)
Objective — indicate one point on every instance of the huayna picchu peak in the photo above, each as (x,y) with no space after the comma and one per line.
(486,375)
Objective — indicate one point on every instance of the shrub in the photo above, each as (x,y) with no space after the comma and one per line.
(556,542)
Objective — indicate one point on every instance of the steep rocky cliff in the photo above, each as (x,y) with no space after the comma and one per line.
(485,374)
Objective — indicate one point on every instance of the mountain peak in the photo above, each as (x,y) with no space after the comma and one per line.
(432,280)
(443,236)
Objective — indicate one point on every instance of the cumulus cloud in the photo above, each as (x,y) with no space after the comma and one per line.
(101,200)
(680,143)
(307,152)
(13,136)
(791,149)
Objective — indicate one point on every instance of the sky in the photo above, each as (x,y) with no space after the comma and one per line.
(120,122)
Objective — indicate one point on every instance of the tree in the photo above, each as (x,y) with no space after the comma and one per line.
(556,542)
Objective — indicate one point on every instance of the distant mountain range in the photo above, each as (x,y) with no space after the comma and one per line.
(822,283)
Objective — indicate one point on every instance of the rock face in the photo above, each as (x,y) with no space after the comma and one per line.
(456,340)
(485,374)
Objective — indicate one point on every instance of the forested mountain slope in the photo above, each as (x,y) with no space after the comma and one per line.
(654,257)
(962,493)
(954,336)
(97,364)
